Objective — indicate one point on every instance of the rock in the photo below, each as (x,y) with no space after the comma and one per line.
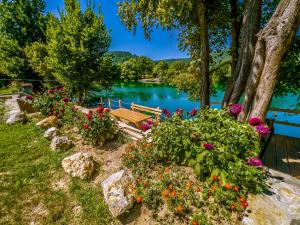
(118,191)
(60,143)
(15,116)
(280,205)
(48,122)
(51,133)
(79,165)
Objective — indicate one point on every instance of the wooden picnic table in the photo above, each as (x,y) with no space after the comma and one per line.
(130,116)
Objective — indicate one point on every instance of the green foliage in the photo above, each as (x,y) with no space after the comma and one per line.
(97,127)
(182,141)
(77,42)
(160,69)
(136,68)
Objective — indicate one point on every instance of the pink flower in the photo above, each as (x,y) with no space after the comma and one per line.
(208,146)
(51,91)
(194,112)
(29,97)
(255,121)
(66,100)
(166,112)
(263,130)
(235,109)
(145,126)
(149,122)
(179,112)
(254,162)
(61,89)
(86,126)
(89,116)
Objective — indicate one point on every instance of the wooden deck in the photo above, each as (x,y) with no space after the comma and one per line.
(283,154)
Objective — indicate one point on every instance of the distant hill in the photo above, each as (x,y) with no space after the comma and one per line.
(186,60)
(121,56)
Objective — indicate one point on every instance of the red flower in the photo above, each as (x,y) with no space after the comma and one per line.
(86,126)
(89,116)
(227,186)
(51,91)
(235,188)
(194,112)
(246,204)
(166,112)
(107,110)
(61,89)
(100,109)
(215,178)
(139,199)
(62,110)
(66,99)
(195,222)
(145,127)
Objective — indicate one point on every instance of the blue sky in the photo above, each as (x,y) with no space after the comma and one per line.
(163,44)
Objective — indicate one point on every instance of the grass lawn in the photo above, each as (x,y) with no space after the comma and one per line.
(29,171)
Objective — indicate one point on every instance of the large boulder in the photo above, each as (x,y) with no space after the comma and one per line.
(279,205)
(48,122)
(15,116)
(51,133)
(79,165)
(60,143)
(119,191)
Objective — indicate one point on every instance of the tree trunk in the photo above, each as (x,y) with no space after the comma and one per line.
(251,22)
(204,54)
(273,42)
(235,31)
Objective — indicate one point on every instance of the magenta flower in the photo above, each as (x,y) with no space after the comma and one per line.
(61,89)
(29,97)
(51,91)
(145,127)
(235,109)
(149,122)
(255,121)
(194,112)
(100,109)
(263,130)
(166,112)
(179,112)
(89,116)
(208,146)
(254,162)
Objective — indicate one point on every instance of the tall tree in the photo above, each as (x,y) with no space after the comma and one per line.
(272,45)
(76,43)
(250,27)
(189,16)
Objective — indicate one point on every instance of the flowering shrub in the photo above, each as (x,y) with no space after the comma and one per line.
(52,102)
(186,199)
(235,109)
(214,144)
(97,127)
(255,121)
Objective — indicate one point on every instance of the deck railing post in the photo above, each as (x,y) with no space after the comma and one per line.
(101,101)
(109,103)
(120,103)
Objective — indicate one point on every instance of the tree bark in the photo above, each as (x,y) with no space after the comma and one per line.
(273,42)
(235,31)
(204,54)
(251,22)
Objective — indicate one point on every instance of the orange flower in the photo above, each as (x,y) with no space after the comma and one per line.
(138,199)
(215,178)
(146,183)
(213,187)
(242,200)
(168,170)
(174,193)
(235,188)
(195,222)
(198,189)
(165,193)
(227,186)
(241,206)
(232,206)
(179,209)
(189,185)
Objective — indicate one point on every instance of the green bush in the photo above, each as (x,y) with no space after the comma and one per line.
(97,127)
(52,102)
(214,144)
